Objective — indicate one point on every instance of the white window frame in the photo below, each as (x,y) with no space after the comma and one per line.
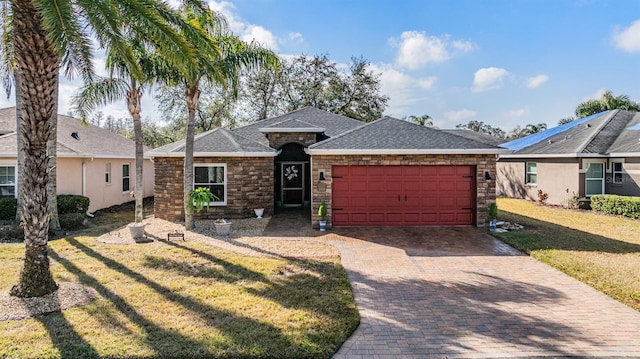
(614,172)
(127,177)
(527,173)
(15,179)
(107,173)
(585,166)
(224,183)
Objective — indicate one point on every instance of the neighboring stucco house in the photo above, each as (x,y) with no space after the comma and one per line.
(592,155)
(91,161)
(387,172)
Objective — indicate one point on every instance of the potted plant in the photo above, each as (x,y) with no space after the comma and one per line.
(259,211)
(223,226)
(322,212)
(493,215)
(201,197)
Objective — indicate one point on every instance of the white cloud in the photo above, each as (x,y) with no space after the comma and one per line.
(427,83)
(537,81)
(488,78)
(261,35)
(519,112)
(416,49)
(628,39)
(296,36)
(457,116)
(594,96)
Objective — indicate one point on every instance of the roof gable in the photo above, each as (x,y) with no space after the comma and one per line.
(220,142)
(599,134)
(396,136)
(332,124)
(292,125)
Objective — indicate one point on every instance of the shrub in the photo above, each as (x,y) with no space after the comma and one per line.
(69,203)
(8,208)
(71,221)
(11,232)
(618,205)
(542,196)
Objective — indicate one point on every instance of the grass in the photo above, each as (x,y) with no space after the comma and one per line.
(182,299)
(600,250)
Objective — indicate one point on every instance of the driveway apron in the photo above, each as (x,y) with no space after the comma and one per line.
(458,292)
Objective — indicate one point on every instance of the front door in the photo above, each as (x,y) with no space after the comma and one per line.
(292,177)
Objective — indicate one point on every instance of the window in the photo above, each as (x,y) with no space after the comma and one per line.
(616,172)
(7,181)
(214,177)
(107,173)
(594,179)
(126,177)
(532,173)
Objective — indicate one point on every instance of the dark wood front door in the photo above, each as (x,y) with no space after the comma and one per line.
(292,177)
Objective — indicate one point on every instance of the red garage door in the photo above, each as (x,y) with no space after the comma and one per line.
(403,195)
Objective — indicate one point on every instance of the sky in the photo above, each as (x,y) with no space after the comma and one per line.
(505,63)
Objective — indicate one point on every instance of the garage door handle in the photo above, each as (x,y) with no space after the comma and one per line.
(405,197)
(337,209)
(467,176)
(398,198)
(468,208)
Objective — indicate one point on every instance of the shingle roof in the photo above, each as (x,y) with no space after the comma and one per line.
(332,123)
(292,125)
(477,136)
(219,141)
(395,136)
(91,141)
(600,134)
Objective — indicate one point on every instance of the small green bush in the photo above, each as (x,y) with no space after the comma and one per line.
(69,203)
(618,205)
(8,208)
(71,221)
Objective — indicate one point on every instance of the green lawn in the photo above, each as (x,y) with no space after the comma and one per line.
(183,299)
(600,250)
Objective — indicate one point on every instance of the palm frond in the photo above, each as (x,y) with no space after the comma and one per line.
(98,93)
(73,43)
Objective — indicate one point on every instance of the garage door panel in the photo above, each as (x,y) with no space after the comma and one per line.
(403,195)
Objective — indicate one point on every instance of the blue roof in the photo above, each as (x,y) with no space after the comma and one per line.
(524,142)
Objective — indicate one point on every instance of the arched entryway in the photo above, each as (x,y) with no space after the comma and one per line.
(292,177)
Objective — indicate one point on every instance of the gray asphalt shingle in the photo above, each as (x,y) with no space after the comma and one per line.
(219,140)
(390,133)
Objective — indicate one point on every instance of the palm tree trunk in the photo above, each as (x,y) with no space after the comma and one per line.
(38,99)
(134,96)
(192,95)
(52,186)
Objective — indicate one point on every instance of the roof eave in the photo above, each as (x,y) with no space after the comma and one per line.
(215,154)
(552,155)
(472,151)
(292,130)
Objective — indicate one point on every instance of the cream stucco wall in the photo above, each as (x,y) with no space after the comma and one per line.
(101,194)
(558,179)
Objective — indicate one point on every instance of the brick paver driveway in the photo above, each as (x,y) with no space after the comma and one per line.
(457,292)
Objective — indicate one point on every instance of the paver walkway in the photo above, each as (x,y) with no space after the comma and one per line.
(458,292)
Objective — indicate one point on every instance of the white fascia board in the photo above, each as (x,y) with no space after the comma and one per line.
(215,154)
(624,154)
(337,152)
(558,155)
(289,130)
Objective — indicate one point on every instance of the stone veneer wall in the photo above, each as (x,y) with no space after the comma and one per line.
(485,189)
(276,140)
(249,185)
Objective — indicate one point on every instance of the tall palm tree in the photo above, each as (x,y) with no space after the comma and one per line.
(42,37)
(222,68)
(606,102)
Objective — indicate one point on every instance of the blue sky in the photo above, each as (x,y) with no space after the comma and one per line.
(505,63)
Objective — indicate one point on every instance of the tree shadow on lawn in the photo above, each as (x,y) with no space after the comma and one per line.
(321,277)
(481,314)
(541,235)
(164,341)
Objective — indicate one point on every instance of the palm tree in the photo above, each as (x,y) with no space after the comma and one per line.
(42,37)
(607,102)
(223,68)
(424,120)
